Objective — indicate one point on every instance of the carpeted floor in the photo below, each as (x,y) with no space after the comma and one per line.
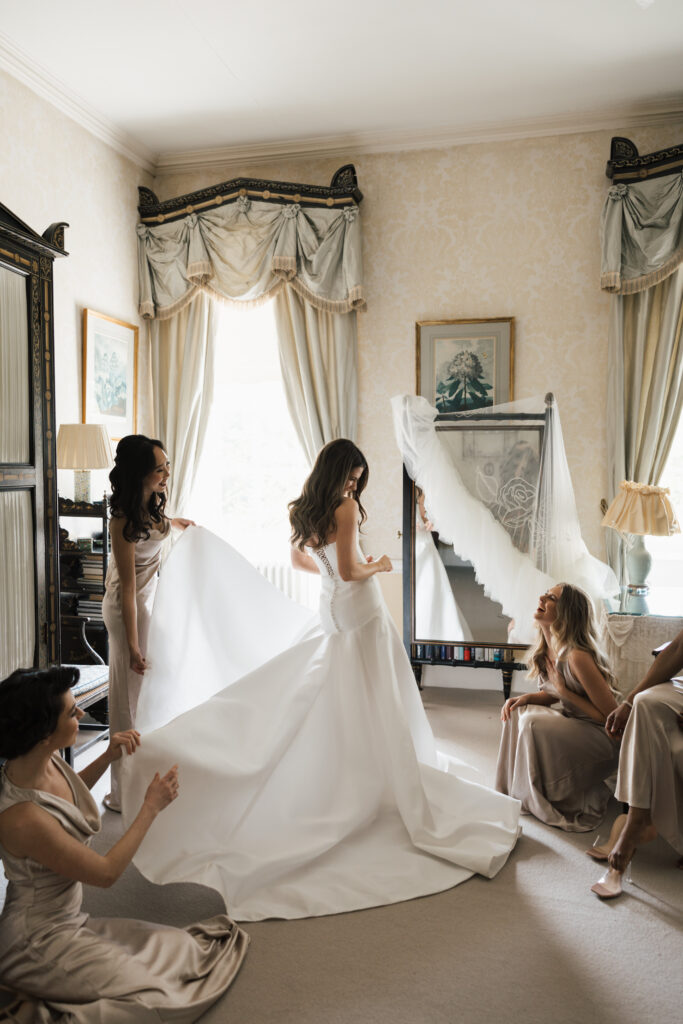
(533,945)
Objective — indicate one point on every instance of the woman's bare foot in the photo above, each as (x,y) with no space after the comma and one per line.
(637,830)
(603,851)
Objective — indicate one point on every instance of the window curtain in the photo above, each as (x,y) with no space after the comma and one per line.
(642,266)
(248,245)
(182,352)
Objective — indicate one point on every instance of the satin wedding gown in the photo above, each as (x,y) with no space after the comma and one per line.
(309,778)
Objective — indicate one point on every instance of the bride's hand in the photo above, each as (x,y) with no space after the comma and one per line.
(384,564)
(182,524)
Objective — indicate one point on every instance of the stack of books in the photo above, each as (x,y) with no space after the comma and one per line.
(91,568)
(90,605)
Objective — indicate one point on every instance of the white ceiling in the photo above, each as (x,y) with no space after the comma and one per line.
(169,76)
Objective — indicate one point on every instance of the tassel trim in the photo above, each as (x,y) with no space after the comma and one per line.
(354,303)
(613,281)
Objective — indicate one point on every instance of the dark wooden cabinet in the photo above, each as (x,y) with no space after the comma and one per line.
(29,565)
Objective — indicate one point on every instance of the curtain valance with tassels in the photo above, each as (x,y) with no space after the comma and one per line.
(642,219)
(243,243)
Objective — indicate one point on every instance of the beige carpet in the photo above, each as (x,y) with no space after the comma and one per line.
(533,945)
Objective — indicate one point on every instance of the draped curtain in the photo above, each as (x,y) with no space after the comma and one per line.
(642,266)
(249,250)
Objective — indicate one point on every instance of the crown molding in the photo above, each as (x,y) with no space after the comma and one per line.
(668,111)
(17,63)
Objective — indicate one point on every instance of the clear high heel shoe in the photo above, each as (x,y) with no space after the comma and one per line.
(603,850)
(610,884)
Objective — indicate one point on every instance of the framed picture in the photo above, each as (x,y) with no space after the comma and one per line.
(110,373)
(465,364)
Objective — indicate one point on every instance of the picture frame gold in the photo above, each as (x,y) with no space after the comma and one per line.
(110,373)
(467,364)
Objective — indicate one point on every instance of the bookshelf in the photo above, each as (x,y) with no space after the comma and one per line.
(82,571)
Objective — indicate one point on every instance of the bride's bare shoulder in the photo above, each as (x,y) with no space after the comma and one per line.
(347,511)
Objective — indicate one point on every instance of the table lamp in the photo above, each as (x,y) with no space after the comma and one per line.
(82,447)
(640,510)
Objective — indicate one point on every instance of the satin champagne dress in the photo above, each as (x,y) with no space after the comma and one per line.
(651,760)
(556,760)
(84,970)
(124,683)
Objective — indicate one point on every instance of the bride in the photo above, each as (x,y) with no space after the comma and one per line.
(311,780)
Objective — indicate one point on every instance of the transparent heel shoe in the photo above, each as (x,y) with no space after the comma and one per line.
(610,885)
(601,849)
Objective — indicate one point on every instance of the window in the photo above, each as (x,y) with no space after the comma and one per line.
(666,576)
(252,463)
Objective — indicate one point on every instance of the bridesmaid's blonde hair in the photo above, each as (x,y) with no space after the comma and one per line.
(574,629)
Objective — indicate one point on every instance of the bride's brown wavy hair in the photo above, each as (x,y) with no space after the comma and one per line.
(573,629)
(311,515)
(134,459)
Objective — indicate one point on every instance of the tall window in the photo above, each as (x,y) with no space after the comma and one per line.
(666,575)
(252,464)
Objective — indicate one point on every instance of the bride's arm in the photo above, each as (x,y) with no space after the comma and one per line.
(346,518)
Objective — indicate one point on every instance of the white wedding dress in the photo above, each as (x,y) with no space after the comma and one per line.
(438,615)
(311,784)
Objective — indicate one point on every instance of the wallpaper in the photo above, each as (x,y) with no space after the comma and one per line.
(496,229)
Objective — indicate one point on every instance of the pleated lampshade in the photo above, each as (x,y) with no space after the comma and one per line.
(83,446)
(643,510)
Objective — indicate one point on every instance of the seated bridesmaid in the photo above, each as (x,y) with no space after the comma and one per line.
(75,967)
(554,753)
(650,781)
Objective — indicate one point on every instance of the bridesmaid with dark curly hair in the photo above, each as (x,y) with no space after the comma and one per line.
(138,527)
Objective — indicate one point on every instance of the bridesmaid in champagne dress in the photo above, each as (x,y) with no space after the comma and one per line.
(138,528)
(556,759)
(68,966)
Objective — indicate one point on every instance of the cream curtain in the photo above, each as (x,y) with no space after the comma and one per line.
(182,353)
(318,357)
(17,614)
(642,253)
(14,369)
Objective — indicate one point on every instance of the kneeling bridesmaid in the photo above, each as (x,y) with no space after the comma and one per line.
(81,967)
(556,759)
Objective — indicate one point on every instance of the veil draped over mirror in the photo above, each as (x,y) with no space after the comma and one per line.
(520,539)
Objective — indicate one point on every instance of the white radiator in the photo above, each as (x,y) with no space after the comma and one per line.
(302,587)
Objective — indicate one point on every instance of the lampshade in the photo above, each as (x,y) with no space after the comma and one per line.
(642,509)
(83,446)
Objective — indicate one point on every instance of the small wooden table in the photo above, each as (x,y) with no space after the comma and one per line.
(92,688)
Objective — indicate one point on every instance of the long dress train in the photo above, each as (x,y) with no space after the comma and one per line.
(310,785)
(84,970)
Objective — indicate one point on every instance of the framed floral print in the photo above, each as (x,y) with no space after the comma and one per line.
(465,364)
(110,373)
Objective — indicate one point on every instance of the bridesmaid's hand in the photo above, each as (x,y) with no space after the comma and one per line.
(514,702)
(182,524)
(615,723)
(130,739)
(162,791)
(137,661)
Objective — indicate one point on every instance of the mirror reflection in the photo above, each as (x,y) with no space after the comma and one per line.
(500,467)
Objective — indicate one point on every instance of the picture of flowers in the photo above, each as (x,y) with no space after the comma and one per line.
(464,365)
(110,372)
(463,373)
